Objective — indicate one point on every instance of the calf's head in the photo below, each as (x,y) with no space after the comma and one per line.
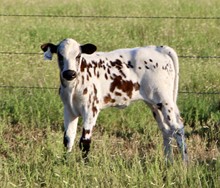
(68,52)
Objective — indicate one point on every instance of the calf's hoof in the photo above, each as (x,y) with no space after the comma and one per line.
(84,145)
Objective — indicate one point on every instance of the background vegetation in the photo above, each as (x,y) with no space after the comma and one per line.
(127,146)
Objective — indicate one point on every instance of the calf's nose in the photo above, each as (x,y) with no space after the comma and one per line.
(69,75)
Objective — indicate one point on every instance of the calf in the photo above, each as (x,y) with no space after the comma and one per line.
(91,81)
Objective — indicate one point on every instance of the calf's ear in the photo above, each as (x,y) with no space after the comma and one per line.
(48,50)
(88,48)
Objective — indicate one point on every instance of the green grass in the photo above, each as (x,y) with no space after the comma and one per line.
(127,148)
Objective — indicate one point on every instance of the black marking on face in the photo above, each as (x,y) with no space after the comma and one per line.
(60,61)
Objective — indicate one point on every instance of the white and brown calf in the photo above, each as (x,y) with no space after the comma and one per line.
(91,81)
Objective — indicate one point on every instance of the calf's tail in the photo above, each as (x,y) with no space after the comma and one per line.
(173,55)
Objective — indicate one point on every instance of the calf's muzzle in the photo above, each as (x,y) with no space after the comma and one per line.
(69,75)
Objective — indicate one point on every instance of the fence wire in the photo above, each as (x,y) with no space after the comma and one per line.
(180,56)
(114,17)
(109,17)
(55,88)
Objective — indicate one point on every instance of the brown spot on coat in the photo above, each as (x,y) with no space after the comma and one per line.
(118,94)
(108,71)
(89,73)
(130,65)
(83,65)
(90,98)
(112,63)
(108,99)
(95,71)
(126,86)
(82,80)
(95,90)
(122,73)
(94,110)
(136,86)
(85,91)
(106,76)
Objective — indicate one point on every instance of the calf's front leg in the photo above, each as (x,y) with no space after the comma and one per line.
(70,126)
(85,142)
(88,124)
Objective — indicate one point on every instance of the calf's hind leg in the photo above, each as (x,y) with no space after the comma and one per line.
(169,121)
(172,118)
(165,131)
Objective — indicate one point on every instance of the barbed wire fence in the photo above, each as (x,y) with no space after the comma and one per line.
(107,17)
(113,17)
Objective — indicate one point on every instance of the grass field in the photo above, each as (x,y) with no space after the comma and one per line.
(127,146)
